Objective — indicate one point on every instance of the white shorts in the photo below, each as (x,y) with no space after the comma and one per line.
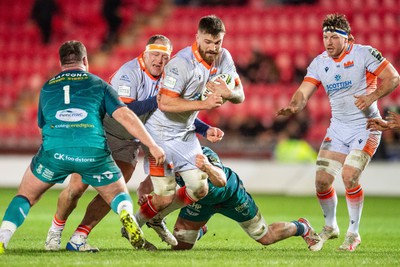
(343,139)
(180,154)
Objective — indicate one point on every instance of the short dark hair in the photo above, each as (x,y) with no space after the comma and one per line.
(72,52)
(211,24)
(338,21)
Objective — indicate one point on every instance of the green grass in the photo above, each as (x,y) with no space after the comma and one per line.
(224,245)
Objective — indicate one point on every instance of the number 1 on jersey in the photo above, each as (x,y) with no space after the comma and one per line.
(66,94)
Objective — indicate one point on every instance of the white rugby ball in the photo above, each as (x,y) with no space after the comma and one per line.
(225,77)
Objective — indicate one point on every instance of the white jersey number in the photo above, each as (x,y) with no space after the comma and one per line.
(66,94)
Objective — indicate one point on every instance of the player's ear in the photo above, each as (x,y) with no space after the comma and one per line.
(86,63)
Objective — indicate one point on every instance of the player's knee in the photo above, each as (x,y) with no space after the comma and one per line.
(256,228)
(327,170)
(196,183)
(186,238)
(164,186)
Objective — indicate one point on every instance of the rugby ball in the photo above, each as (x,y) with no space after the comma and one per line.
(225,77)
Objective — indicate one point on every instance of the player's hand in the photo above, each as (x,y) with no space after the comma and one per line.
(393,120)
(214,134)
(363,101)
(214,100)
(202,162)
(287,111)
(158,154)
(219,86)
(377,124)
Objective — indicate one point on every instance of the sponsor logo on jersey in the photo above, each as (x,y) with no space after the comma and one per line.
(376,54)
(349,64)
(124,90)
(175,71)
(124,78)
(169,81)
(71,114)
(338,85)
(69,76)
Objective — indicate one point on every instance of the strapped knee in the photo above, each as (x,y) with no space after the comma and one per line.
(164,185)
(186,236)
(196,183)
(330,166)
(256,228)
(357,159)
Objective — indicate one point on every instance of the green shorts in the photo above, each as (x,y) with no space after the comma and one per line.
(240,207)
(96,166)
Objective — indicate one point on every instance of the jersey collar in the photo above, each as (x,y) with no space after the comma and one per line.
(345,52)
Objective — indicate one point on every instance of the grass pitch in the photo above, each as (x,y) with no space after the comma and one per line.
(225,244)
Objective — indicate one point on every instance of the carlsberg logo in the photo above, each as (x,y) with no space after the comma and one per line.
(71,114)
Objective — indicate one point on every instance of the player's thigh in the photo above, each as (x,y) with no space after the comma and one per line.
(31,187)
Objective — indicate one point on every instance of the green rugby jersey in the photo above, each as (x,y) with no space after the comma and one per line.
(72,106)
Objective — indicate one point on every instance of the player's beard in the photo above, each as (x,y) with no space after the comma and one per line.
(208,56)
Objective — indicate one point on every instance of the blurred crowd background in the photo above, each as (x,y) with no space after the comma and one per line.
(271,41)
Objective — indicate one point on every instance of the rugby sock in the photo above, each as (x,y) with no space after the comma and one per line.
(181,200)
(302,229)
(328,201)
(145,212)
(355,201)
(122,201)
(57,225)
(83,230)
(17,211)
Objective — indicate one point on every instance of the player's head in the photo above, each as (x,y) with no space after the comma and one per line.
(73,54)
(157,54)
(209,37)
(336,34)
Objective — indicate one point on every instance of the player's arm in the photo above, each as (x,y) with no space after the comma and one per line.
(135,127)
(389,80)
(213,134)
(235,96)
(377,124)
(299,99)
(215,174)
(174,103)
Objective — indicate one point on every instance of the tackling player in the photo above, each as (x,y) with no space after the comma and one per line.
(348,72)
(227,196)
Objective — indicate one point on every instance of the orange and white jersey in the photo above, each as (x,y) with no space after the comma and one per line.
(133,82)
(185,76)
(353,73)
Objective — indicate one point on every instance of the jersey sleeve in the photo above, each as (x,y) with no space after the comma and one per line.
(126,82)
(112,102)
(40,116)
(312,75)
(228,66)
(212,157)
(374,61)
(175,77)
